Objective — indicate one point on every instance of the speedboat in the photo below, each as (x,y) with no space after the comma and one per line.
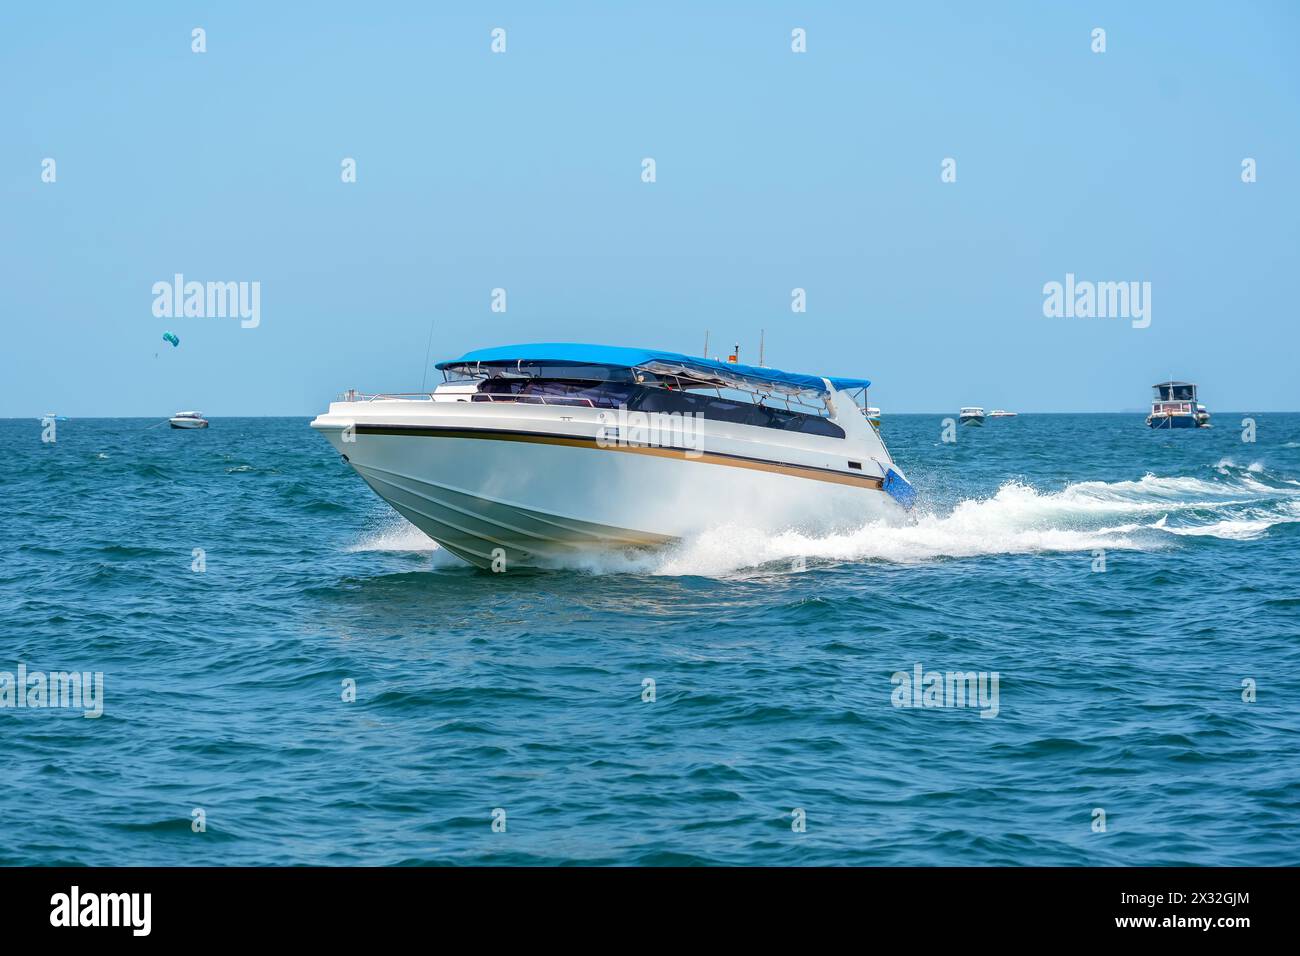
(1001,413)
(188,420)
(873,415)
(1174,405)
(971,415)
(530,455)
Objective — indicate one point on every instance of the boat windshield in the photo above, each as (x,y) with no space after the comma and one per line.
(603,387)
(1175,392)
(859,396)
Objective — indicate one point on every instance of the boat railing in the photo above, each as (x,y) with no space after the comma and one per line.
(569,400)
(354,396)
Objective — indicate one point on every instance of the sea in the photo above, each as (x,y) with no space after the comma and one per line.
(1083,648)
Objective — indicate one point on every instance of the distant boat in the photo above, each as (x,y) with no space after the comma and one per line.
(51,417)
(188,420)
(1001,413)
(873,415)
(1174,406)
(971,415)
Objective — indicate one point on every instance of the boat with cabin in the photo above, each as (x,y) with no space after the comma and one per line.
(971,415)
(188,420)
(1174,405)
(528,455)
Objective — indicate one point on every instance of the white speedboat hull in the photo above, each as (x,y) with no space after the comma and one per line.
(506,486)
(188,423)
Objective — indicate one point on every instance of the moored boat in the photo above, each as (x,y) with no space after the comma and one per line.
(1174,405)
(188,420)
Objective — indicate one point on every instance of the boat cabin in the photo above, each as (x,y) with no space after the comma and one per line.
(648,381)
(1173,398)
(1174,392)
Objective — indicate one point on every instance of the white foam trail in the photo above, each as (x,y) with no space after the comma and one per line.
(1147,494)
(971,534)
(1017,519)
(1240,530)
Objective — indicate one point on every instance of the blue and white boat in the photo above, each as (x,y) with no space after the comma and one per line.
(527,454)
(1175,406)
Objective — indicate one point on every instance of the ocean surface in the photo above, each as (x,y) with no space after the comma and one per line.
(773,737)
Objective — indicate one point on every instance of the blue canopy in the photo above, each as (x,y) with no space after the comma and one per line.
(565,353)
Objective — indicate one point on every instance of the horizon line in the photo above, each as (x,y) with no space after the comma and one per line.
(1129,411)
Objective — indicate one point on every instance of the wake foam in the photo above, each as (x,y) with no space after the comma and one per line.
(1018,519)
(1232,502)
(394,533)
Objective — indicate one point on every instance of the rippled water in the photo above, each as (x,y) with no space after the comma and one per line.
(1120,690)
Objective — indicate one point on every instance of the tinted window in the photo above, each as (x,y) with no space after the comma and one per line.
(639,398)
(726,410)
(557,391)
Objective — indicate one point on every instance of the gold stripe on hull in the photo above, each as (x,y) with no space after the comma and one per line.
(710,458)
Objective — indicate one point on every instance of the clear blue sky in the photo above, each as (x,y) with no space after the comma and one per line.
(523,171)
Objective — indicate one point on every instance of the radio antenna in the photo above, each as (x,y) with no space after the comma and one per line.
(427,349)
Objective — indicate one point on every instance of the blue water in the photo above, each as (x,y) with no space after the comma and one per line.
(1118,689)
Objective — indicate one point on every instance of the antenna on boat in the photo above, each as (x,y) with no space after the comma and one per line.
(705,353)
(424,375)
(762,334)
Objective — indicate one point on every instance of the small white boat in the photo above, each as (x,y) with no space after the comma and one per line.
(873,415)
(188,420)
(531,453)
(971,415)
(1001,413)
